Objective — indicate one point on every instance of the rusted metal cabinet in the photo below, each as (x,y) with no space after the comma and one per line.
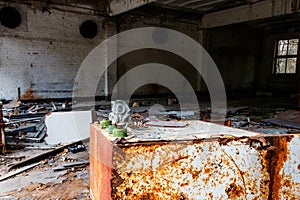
(233,165)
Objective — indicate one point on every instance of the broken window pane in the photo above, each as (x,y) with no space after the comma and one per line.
(280,65)
(282,47)
(291,65)
(286,56)
(293,47)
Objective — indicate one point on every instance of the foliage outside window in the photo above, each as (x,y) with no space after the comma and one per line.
(286,56)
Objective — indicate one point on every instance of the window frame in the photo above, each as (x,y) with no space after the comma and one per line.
(276,56)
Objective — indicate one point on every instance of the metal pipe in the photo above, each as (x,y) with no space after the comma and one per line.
(2,129)
(19,93)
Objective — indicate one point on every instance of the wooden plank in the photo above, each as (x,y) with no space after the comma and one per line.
(71,165)
(289,115)
(18,171)
(12,157)
(40,157)
(23,129)
(25,116)
(284,123)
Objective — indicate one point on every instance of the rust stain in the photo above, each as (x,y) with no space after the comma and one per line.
(195,174)
(259,143)
(240,172)
(234,191)
(116,181)
(29,95)
(207,171)
(224,141)
(278,160)
(172,162)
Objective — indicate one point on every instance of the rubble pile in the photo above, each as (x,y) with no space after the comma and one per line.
(25,122)
(281,119)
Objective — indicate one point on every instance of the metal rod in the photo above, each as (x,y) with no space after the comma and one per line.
(19,93)
(2,129)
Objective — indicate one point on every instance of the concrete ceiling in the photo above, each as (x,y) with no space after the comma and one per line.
(198,6)
(202,6)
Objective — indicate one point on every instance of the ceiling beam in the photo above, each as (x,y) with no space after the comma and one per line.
(210,3)
(258,10)
(190,2)
(169,1)
(120,6)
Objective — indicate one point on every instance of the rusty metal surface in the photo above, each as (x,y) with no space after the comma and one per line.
(250,167)
(288,169)
(200,170)
(100,165)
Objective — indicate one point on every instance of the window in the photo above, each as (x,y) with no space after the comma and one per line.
(286,56)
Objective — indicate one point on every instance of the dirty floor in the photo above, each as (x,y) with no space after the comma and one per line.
(49,179)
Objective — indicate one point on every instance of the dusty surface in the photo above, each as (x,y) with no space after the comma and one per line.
(42,182)
(71,187)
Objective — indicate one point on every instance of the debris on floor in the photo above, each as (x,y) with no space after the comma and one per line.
(289,115)
(289,118)
(263,119)
(25,122)
(58,169)
(56,174)
(269,120)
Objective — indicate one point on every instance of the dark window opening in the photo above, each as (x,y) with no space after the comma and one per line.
(10,17)
(286,56)
(88,29)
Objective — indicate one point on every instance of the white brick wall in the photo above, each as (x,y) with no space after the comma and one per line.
(45,52)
